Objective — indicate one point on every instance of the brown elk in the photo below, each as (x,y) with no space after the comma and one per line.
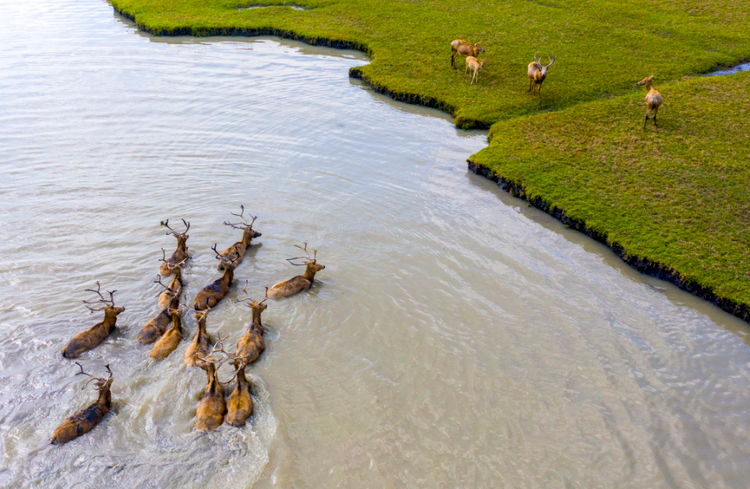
(212,294)
(89,339)
(251,344)
(537,72)
(285,288)
(240,402)
(474,65)
(653,99)
(154,328)
(236,252)
(170,340)
(198,348)
(86,419)
(180,255)
(463,48)
(213,406)
(175,286)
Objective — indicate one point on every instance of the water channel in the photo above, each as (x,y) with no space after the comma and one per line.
(456,338)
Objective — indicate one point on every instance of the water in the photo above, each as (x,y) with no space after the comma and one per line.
(731,71)
(457,338)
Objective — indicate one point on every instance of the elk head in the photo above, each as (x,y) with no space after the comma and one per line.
(309,261)
(102,384)
(646,81)
(181,237)
(255,306)
(542,67)
(248,233)
(478,47)
(109,308)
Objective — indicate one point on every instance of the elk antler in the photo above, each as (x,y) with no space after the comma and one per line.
(158,281)
(249,300)
(535,58)
(98,291)
(175,233)
(309,259)
(100,381)
(551,60)
(241,225)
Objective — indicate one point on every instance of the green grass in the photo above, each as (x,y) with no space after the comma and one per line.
(678,196)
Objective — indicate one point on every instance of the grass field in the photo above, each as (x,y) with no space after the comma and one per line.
(678,196)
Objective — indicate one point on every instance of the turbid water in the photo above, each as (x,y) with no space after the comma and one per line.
(457,338)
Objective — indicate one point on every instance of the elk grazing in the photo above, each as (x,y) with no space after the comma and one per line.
(474,65)
(89,339)
(198,348)
(236,252)
(463,48)
(212,294)
(170,340)
(152,330)
(285,288)
(86,419)
(180,255)
(239,403)
(175,286)
(653,99)
(537,73)
(251,344)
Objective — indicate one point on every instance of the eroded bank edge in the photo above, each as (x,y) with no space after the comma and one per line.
(642,264)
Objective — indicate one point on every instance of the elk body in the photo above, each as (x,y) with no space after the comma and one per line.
(154,328)
(251,344)
(198,348)
(212,294)
(474,65)
(537,72)
(170,340)
(236,252)
(180,255)
(86,419)
(92,337)
(239,403)
(213,406)
(653,99)
(285,288)
(463,48)
(175,285)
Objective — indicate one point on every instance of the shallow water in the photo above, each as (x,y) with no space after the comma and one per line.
(457,338)
(731,71)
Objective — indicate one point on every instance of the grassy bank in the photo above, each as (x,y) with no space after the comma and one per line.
(678,197)
(674,203)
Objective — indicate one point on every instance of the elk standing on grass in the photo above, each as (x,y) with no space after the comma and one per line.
(251,344)
(89,339)
(463,48)
(537,73)
(86,419)
(198,348)
(170,340)
(240,402)
(236,252)
(212,294)
(152,330)
(474,65)
(175,286)
(653,99)
(180,255)
(285,288)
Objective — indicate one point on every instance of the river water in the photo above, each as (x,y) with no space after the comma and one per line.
(456,338)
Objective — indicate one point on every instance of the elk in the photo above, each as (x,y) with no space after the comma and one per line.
(285,288)
(239,403)
(212,294)
(170,340)
(474,65)
(463,48)
(180,255)
(653,99)
(251,344)
(175,286)
(198,348)
(154,328)
(86,419)
(213,406)
(537,73)
(90,338)
(236,252)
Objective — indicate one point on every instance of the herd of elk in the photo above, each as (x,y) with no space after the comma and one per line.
(462,48)
(92,337)
(166,332)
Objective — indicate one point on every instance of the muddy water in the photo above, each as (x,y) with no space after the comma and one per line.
(456,338)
